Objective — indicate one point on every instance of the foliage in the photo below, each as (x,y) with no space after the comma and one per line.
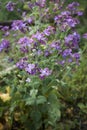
(45,91)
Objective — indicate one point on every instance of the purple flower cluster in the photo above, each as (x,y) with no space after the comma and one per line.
(45,73)
(10,6)
(31,5)
(67,52)
(32,43)
(33,69)
(85,35)
(41,3)
(65,20)
(76,56)
(56,45)
(30,20)
(47,45)
(19,25)
(40,37)
(72,40)
(49,30)
(70,56)
(25,43)
(22,63)
(4,45)
(5,29)
(47,52)
(73,8)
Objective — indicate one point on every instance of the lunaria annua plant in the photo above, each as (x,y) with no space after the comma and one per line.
(44,46)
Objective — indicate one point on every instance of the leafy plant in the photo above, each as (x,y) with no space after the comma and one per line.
(43,53)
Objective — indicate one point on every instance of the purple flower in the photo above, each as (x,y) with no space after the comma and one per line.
(47,53)
(70,60)
(66,20)
(24,49)
(76,56)
(22,63)
(73,6)
(35,44)
(73,9)
(41,3)
(4,45)
(38,52)
(85,35)
(40,37)
(10,6)
(15,35)
(55,45)
(30,20)
(61,62)
(80,13)
(58,18)
(25,42)
(5,28)
(72,40)
(69,38)
(45,73)
(72,22)
(67,52)
(6,34)
(49,30)
(31,69)
(31,5)
(19,25)
(23,14)
(66,13)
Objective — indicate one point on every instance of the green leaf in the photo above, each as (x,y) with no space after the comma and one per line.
(30,101)
(41,99)
(36,115)
(54,112)
(33,93)
(83,107)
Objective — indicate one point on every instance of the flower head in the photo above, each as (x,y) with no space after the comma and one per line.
(72,40)
(18,25)
(10,6)
(40,37)
(41,3)
(31,69)
(22,63)
(67,52)
(72,6)
(55,45)
(25,43)
(85,35)
(45,73)
(4,45)
(49,30)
